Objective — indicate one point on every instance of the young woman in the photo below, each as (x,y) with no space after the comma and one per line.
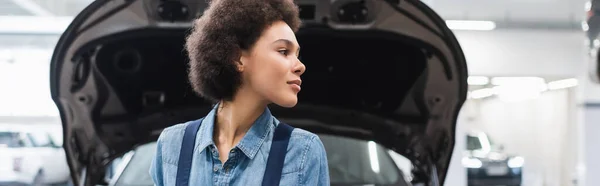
(243,56)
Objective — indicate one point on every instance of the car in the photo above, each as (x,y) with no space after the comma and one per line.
(487,165)
(29,157)
(592,21)
(382,72)
(591,26)
(370,164)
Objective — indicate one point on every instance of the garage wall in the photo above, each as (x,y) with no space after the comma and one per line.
(540,130)
(457,174)
(524,52)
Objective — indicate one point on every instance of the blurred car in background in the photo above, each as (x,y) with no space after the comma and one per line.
(383,75)
(592,21)
(591,25)
(488,165)
(29,157)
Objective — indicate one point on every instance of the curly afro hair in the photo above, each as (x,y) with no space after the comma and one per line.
(225,29)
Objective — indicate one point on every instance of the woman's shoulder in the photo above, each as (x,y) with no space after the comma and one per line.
(300,137)
(173,133)
(301,134)
(306,144)
(169,141)
(305,152)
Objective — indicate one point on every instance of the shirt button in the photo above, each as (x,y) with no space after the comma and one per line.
(216,169)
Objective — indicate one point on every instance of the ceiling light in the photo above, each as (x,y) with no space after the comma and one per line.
(519,92)
(518,81)
(565,83)
(470,25)
(481,93)
(478,80)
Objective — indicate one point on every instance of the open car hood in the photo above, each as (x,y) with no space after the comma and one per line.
(393,74)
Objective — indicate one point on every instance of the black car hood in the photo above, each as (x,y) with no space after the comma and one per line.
(394,74)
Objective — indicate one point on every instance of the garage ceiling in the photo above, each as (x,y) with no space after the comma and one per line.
(514,13)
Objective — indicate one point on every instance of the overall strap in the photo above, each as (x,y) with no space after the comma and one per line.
(281,139)
(184,165)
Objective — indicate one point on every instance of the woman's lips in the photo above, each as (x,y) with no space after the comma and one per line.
(295,84)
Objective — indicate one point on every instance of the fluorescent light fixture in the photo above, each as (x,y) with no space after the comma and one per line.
(512,93)
(373,156)
(470,25)
(34,24)
(518,81)
(560,84)
(481,93)
(478,80)
(518,88)
(32,7)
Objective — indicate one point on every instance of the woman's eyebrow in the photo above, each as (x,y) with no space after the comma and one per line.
(288,43)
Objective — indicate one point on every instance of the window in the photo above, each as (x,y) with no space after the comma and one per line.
(41,140)
(473,143)
(11,140)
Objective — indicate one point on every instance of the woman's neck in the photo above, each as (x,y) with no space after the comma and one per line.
(234,119)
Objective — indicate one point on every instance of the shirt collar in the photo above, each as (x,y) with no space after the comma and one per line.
(250,143)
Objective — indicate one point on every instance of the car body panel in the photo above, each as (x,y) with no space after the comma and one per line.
(413,113)
(32,158)
(29,167)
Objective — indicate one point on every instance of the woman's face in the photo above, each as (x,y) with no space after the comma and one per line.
(271,68)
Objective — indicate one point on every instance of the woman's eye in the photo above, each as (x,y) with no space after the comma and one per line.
(284,52)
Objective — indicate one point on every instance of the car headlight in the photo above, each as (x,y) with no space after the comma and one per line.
(516,162)
(471,162)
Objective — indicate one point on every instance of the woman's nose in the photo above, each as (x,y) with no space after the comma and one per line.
(300,68)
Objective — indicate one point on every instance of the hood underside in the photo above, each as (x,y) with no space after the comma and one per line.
(396,76)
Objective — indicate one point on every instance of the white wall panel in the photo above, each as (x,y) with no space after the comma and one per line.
(536,129)
(524,52)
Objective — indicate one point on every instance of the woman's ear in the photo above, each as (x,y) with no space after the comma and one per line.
(242,61)
(240,65)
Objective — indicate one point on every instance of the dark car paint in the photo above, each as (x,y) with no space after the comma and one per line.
(593,21)
(427,139)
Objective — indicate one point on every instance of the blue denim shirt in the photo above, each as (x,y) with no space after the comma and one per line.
(305,162)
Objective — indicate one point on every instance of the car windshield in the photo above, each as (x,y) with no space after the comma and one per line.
(351,162)
(10,139)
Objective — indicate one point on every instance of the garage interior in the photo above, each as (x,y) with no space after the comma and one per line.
(532,90)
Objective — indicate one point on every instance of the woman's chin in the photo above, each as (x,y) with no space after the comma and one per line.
(287,102)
